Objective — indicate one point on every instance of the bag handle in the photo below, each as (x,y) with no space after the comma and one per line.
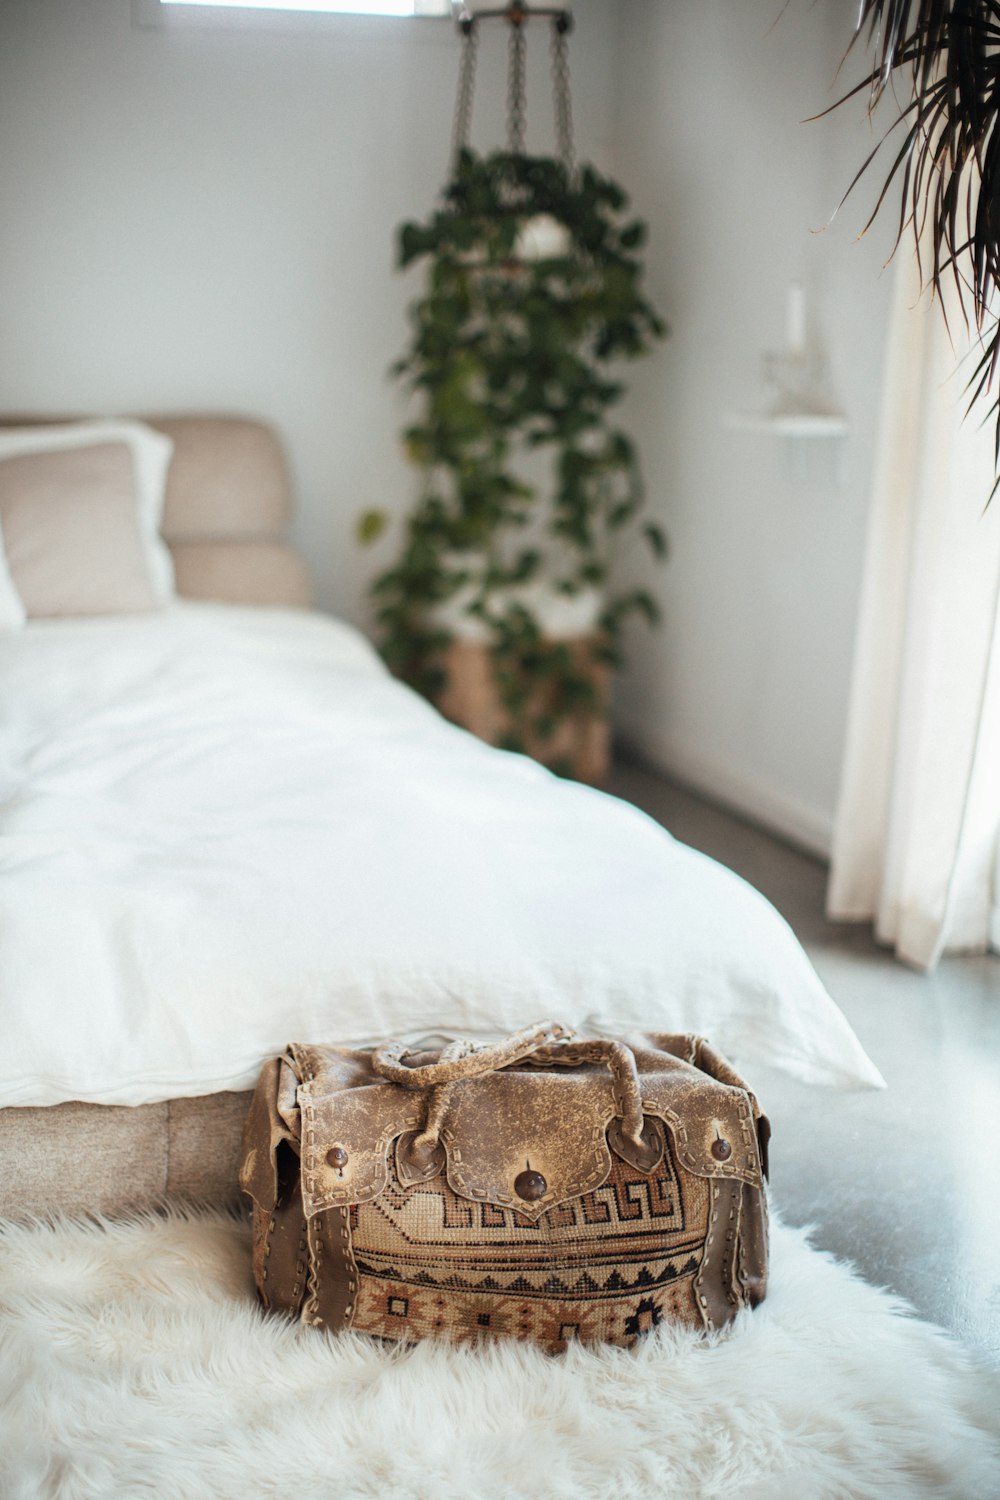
(544,1044)
(474,1060)
(624,1075)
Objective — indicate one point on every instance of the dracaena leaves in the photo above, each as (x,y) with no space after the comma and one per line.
(940,60)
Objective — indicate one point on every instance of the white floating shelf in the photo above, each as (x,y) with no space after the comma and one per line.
(793,424)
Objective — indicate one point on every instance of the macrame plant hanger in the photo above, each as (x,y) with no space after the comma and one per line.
(517,17)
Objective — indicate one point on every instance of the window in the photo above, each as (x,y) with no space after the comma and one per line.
(354,7)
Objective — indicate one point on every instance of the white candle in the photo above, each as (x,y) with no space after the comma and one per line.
(796,318)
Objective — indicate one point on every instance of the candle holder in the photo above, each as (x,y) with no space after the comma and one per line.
(800,402)
(800,381)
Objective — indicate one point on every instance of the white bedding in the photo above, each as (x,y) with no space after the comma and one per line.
(223,829)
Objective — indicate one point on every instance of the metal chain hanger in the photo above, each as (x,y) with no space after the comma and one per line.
(466,86)
(562,25)
(517,16)
(515,84)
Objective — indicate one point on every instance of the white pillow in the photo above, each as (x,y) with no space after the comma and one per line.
(150,454)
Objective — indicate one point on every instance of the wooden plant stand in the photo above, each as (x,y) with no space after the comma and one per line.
(581,743)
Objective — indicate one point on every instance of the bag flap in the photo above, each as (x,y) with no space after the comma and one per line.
(705,1103)
(551,1121)
(349,1117)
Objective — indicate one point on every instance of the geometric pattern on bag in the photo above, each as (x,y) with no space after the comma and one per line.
(602,1268)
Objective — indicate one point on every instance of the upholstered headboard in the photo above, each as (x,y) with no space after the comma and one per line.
(227,510)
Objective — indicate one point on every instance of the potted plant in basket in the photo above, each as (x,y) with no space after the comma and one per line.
(499,606)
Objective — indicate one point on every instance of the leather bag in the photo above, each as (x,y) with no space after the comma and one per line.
(545,1188)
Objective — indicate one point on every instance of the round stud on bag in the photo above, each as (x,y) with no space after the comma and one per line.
(530,1186)
(721,1149)
(337,1157)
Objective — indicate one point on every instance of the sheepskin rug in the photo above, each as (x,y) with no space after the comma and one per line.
(134,1362)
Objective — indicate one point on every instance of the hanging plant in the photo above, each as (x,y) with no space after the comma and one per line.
(533,296)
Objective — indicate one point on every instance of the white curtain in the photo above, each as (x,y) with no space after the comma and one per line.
(916,837)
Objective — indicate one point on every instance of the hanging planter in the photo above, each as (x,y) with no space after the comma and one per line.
(499,607)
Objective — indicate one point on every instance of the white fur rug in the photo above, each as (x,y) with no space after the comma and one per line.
(134,1362)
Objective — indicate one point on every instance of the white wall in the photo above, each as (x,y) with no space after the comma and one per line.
(743,689)
(204,218)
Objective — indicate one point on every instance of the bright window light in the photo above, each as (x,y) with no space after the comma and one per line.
(354,7)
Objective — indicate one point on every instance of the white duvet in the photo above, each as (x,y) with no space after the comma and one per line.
(225,829)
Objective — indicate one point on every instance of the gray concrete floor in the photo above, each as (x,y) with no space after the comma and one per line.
(905,1183)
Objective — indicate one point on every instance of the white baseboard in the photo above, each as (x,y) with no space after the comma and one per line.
(795,821)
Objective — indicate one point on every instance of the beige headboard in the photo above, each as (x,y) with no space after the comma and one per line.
(227,510)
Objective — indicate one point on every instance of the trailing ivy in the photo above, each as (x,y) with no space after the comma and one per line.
(512,355)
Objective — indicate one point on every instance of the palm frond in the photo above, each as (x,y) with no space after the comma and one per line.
(942,59)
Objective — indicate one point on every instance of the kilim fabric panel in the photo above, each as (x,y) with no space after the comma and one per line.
(603,1267)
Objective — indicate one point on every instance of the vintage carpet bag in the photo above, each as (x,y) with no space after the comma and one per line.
(545,1188)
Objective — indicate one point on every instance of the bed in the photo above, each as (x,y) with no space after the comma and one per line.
(224,826)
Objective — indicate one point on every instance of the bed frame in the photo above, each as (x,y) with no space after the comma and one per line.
(226,518)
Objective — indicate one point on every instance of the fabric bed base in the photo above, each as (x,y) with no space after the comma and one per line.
(111,1159)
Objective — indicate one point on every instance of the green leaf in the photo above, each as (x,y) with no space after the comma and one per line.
(370,526)
(643,603)
(656,538)
(413,242)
